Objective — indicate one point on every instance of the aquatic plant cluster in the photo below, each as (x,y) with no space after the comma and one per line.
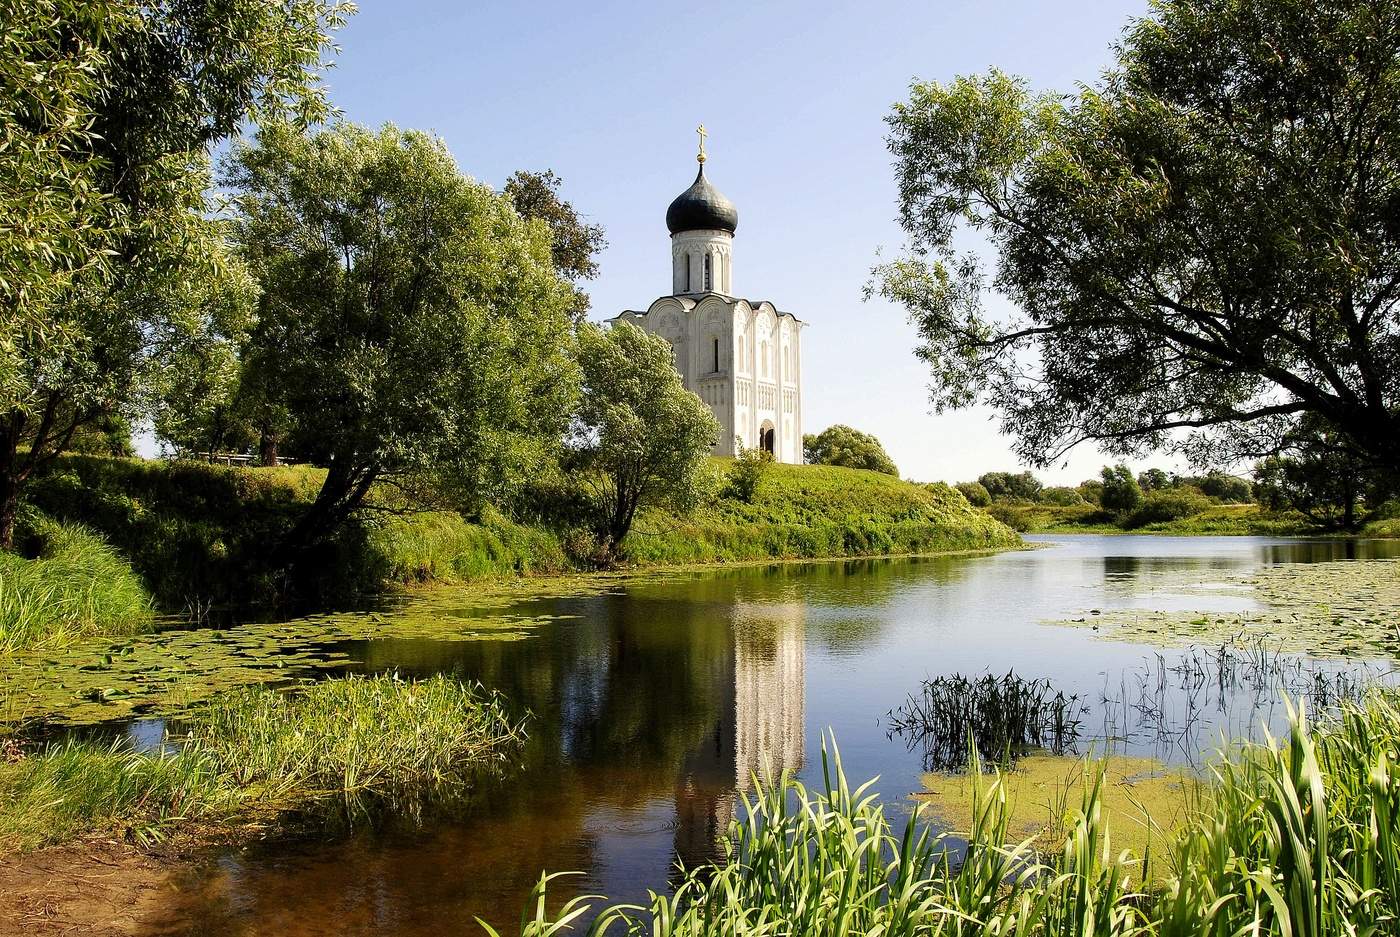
(1342,609)
(1002,716)
(1297,838)
(326,754)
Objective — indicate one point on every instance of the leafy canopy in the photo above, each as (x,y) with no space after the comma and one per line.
(1201,248)
(409,321)
(850,448)
(108,260)
(641,437)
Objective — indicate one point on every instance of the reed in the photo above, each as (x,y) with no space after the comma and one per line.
(1296,838)
(77,586)
(1003,715)
(320,756)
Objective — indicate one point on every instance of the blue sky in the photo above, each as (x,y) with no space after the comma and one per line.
(793,94)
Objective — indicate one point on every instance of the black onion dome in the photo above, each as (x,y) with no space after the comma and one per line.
(701,207)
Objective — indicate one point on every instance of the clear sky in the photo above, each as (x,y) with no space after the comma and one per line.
(793,95)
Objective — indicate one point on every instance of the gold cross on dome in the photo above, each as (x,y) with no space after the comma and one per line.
(703,133)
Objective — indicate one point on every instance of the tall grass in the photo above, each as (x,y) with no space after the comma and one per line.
(327,754)
(77,586)
(1297,839)
(353,747)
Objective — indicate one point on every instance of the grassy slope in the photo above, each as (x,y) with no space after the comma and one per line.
(196,533)
(816,511)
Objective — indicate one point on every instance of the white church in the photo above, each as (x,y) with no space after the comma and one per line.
(743,357)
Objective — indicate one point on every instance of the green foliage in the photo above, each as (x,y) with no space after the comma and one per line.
(1121,493)
(1173,504)
(1195,242)
(75,586)
(355,747)
(109,111)
(329,753)
(440,546)
(1061,496)
(848,448)
(428,335)
(1154,479)
(1292,839)
(747,472)
(818,511)
(641,438)
(574,244)
(1224,487)
(976,493)
(1005,486)
(1091,490)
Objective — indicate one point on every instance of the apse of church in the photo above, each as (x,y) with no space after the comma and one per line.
(742,357)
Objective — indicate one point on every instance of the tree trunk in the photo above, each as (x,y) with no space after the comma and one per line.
(267,447)
(9,488)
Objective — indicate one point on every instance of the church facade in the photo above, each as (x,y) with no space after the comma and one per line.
(742,357)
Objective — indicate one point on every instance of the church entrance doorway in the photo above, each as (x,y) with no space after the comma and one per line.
(765,438)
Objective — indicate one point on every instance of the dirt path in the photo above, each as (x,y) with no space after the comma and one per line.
(91,888)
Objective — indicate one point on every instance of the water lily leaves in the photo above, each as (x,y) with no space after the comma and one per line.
(1334,610)
(165,673)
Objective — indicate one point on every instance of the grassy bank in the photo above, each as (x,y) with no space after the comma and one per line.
(332,753)
(1210,520)
(196,535)
(1300,838)
(817,511)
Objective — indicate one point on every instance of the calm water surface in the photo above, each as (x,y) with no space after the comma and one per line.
(655,704)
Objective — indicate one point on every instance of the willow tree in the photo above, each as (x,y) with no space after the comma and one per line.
(1197,251)
(410,322)
(108,112)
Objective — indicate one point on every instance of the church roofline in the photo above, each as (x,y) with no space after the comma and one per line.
(689,301)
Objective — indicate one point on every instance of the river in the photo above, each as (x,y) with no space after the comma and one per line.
(654,704)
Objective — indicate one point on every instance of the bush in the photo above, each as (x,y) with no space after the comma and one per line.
(1226,488)
(1091,490)
(746,473)
(1008,515)
(1172,504)
(1004,486)
(975,493)
(848,448)
(1061,496)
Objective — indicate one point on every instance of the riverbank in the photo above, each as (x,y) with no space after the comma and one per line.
(1212,520)
(196,536)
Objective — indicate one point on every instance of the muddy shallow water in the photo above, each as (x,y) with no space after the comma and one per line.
(655,702)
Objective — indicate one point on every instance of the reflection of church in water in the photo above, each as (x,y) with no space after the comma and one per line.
(759,730)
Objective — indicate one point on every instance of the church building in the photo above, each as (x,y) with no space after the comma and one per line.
(742,357)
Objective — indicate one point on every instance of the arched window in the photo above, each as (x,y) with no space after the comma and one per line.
(741,353)
(763,357)
(707,271)
(687,273)
(716,345)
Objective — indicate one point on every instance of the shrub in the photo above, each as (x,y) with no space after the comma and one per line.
(1061,496)
(1004,486)
(975,493)
(747,473)
(1008,515)
(1172,504)
(848,448)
